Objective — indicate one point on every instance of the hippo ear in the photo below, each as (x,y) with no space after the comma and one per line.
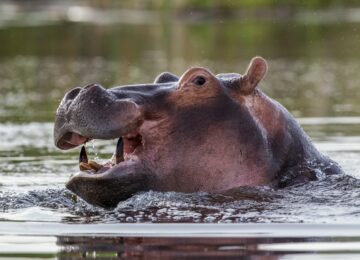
(254,74)
(166,77)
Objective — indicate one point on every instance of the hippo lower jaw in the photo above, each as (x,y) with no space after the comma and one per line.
(108,188)
(117,179)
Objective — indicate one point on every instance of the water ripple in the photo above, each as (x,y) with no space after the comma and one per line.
(332,200)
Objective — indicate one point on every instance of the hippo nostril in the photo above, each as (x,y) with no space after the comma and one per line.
(72,93)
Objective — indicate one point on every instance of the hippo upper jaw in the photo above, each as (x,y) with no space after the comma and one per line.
(93,112)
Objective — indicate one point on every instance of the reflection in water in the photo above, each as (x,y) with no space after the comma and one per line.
(165,248)
(175,247)
(215,247)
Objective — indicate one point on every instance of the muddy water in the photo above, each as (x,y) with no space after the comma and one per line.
(315,75)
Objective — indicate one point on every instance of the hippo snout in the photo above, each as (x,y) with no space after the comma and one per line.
(93,112)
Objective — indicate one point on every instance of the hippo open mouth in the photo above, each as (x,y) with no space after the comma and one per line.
(99,183)
(199,132)
(125,150)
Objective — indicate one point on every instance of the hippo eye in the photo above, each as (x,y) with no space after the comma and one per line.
(199,80)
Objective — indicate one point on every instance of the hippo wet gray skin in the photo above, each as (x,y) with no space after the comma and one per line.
(199,132)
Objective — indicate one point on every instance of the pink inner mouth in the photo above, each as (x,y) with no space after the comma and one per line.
(132,142)
(127,149)
(71,140)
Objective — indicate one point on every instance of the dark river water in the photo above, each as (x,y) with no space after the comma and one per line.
(314,72)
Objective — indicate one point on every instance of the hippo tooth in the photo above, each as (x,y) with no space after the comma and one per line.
(119,153)
(94,165)
(84,166)
(83,156)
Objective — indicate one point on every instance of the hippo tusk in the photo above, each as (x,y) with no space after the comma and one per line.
(83,156)
(83,160)
(119,153)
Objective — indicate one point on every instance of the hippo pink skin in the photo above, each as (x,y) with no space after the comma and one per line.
(199,132)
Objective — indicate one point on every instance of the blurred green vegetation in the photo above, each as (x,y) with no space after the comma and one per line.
(313,68)
(225,4)
(313,55)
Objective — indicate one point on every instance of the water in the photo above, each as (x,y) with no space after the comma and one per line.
(314,74)
(33,177)
(253,241)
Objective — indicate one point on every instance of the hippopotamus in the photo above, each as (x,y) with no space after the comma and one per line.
(198,132)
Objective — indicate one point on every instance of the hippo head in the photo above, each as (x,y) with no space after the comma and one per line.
(199,132)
